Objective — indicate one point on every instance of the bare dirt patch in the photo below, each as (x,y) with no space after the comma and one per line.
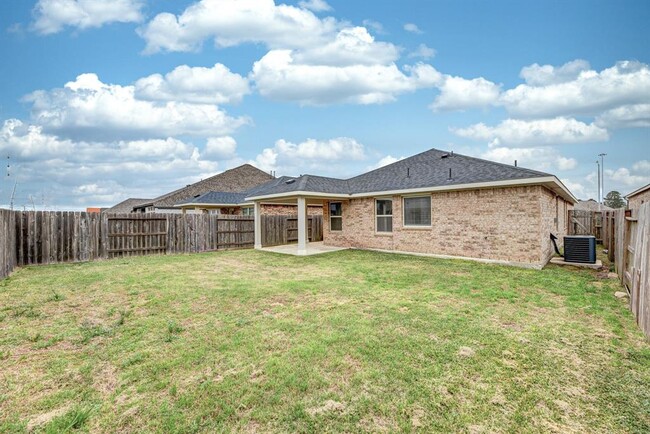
(44,418)
(330,406)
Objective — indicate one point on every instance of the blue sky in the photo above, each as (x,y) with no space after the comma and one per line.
(101,101)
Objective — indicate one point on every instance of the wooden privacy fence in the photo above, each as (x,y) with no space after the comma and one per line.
(626,235)
(582,222)
(279,229)
(44,237)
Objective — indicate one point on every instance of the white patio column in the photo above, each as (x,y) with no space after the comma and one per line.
(302,226)
(257,213)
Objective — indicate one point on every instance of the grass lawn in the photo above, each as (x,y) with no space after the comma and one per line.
(348,341)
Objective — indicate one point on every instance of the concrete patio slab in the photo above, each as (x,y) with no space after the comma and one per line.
(315,248)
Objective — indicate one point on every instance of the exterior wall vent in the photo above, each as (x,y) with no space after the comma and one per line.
(580,248)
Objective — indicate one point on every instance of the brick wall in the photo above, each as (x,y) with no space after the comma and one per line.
(554,213)
(289,210)
(635,202)
(502,224)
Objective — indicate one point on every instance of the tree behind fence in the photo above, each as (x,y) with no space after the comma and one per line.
(48,237)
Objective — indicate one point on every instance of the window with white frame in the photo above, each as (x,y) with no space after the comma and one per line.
(417,211)
(384,215)
(336,216)
(248,211)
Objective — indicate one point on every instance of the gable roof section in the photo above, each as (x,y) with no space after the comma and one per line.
(429,170)
(638,191)
(126,206)
(591,205)
(216,198)
(235,180)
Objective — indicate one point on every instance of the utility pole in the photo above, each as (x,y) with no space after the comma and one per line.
(598,165)
(602,177)
(13,196)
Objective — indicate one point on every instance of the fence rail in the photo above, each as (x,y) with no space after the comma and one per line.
(47,237)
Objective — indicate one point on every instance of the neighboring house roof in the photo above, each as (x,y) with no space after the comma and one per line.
(638,191)
(591,205)
(428,170)
(234,180)
(216,198)
(126,206)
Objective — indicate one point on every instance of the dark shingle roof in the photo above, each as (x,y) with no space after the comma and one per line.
(217,197)
(428,169)
(235,180)
(126,206)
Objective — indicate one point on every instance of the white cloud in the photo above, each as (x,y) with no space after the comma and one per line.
(543,132)
(222,148)
(579,189)
(412,28)
(536,75)
(315,155)
(51,16)
(278,77)
(351,46)
(591,92)
(423,52)
(626,177)
(542,158)
(104,173)
(315,5)
(627,116)
(215,85)
(642,166)
(457,93)
(87,109)
(233,22)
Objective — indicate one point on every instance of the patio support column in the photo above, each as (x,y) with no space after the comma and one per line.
(302,226)
(257,212)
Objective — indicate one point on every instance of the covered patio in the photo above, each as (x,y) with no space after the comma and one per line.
(304,247)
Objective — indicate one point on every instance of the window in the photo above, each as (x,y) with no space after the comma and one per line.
(248,211)
(336,216)
(417,211)
(384,215)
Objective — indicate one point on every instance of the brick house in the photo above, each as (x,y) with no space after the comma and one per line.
(638,197)
(435,203)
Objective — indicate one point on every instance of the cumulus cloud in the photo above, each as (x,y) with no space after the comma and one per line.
(278,77)
(232,22)
(315,5)
(457,93)
(627,116)
(384,161)
(543,132)
(544,75)
(542,158)
(101,173)
(423,52)
(215,85)
(51,16)
(314,155)
(376,26)
(87,109)
(642,166)
(221,147)
(627,177)
(554,93)
(412,28)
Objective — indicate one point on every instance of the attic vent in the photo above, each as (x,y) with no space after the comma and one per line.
(197,195)
(291,181)
(445,156)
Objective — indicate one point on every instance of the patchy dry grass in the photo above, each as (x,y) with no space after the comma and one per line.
(348,341)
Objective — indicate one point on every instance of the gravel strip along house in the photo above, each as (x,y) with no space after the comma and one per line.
(435,203)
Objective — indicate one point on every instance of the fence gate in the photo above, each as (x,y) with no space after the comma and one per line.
(586,223)
(136,235)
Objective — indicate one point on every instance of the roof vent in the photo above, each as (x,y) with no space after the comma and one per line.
(291,181)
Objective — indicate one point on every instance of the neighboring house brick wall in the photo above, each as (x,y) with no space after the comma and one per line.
(500,224)
(289,210)
(635,202)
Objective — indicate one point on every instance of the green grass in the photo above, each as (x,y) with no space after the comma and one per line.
(348,341)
